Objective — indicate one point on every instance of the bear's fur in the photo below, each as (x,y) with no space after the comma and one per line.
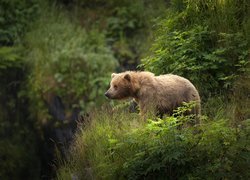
(161,94)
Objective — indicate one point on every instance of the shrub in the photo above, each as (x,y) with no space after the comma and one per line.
(67,60)
(195,41)
(14,19)
(192,54)
(129,28)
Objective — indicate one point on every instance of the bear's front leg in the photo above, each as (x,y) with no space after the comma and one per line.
(146,109)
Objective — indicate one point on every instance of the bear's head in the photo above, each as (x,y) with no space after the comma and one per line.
(120,86)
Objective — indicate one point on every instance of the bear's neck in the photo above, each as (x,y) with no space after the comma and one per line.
(141,83)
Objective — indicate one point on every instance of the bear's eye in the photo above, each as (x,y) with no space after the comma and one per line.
(115,86)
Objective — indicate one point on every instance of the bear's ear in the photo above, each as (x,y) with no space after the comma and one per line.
(113,75)
(127,77)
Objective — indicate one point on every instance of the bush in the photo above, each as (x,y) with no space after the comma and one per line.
(14,19)
(129,28)
(119,146)
(194,41)
(68,61)
(193,54)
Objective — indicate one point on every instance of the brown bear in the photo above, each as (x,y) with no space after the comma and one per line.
(160,94)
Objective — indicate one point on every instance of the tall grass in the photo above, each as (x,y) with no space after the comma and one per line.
(118,145)
(91,154)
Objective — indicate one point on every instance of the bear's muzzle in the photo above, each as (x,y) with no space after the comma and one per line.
(107,94)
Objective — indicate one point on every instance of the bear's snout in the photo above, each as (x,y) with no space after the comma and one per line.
(107,94)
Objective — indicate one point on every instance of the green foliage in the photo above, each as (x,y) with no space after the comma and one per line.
(126,20)
(124,24)
(9,57)
(91,153)
(45,45)
(115,145)
(195,41)
(59,48)
(207,42)
(127,25)
(15,16)
(68,60)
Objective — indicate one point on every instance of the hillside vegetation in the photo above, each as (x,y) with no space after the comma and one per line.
(208,43)
(117,145)
(56,58)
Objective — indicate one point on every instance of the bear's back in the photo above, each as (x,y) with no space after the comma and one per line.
(173,82)
(172,90)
